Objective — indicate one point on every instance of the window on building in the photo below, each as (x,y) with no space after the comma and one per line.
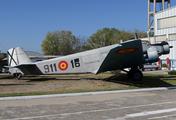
(160,38)
(166,22)
(163,37)
(172,37)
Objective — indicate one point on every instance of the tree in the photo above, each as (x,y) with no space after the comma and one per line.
(103,37)
(81,44)
(106,36)
(141,34)
(64,43)
(59,43)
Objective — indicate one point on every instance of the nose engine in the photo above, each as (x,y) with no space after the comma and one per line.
(166,47)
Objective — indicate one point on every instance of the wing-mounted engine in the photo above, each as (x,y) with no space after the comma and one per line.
(151,55)
(153,51)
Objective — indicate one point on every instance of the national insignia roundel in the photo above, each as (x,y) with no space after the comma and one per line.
(126,50)
(63,65)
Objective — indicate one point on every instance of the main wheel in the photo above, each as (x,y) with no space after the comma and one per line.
(136,75)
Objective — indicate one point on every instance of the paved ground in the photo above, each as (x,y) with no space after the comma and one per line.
(151,105)
(155,71)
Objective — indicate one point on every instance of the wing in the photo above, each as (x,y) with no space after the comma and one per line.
(127,54)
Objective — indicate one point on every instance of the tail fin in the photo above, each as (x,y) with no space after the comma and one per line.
(17,56)
(19,62)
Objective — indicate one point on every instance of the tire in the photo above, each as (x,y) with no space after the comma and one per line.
(136,75)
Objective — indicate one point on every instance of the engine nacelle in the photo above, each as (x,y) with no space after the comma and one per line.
(151,60)
(152,52)
(151,55)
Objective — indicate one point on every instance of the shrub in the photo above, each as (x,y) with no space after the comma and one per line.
(172,72)
(164,65)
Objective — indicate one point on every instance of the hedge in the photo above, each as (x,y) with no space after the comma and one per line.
(172,72)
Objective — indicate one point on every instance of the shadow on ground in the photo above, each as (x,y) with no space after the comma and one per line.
(14,84)
(148,81)
(50,77)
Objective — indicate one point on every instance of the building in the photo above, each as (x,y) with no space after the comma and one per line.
(151,11)
(165,30)
(162,21)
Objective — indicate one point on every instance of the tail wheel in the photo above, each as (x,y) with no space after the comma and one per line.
(19,76)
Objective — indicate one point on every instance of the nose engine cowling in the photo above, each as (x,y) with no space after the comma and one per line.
(166,48)
(162,48)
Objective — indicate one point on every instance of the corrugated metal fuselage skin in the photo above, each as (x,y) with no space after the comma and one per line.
(83,62)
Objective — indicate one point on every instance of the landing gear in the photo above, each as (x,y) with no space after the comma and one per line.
(18,75)
(135,74)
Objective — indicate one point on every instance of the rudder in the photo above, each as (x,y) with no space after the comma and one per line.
(17,56)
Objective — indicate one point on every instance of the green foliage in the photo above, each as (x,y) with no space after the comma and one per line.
(141,34)
(103,37)
(81,44)
(64,43)
(59,43)
(106,36)
(164,65)
(172,72)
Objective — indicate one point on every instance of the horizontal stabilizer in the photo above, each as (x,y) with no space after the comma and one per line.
(22,65)
(28,69)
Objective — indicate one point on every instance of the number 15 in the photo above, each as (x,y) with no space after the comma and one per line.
(75,63)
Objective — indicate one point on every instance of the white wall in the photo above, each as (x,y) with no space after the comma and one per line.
(163,33)
(168,13)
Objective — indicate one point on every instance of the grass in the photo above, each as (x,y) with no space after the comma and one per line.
(59,84)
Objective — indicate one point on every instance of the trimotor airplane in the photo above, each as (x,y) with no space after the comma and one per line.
(129,54)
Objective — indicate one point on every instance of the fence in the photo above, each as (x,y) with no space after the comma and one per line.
(170,66)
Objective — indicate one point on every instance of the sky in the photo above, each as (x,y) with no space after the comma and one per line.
(25,23)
